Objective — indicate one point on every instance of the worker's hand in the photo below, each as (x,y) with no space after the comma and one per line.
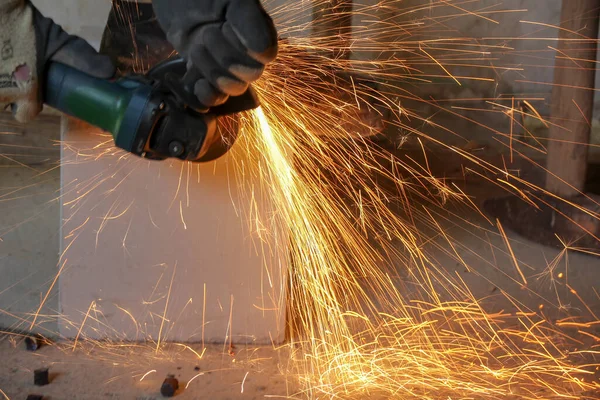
(28,42)
(228,41)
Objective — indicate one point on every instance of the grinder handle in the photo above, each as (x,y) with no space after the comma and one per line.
(99,102)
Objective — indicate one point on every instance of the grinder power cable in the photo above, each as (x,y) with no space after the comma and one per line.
(154,116)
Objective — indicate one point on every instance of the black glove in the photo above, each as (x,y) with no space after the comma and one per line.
(28,42)
(227,43)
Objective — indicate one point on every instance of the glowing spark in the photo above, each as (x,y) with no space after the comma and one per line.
(229,334)
(441,66)
(203,316)
(244,381)
(47,294)
(512,254)
(92,305)
(146,374)
(194,377)
(164,316)
(181,214)
(198,355)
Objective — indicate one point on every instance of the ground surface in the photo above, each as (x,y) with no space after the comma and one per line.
(99,372)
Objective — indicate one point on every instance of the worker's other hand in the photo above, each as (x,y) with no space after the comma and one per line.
(228,42)
(28,42)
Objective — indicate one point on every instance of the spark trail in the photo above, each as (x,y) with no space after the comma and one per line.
(359,333)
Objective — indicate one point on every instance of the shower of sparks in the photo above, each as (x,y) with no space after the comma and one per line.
(373,308)
(356,209)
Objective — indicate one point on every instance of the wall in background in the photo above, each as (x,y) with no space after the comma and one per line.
(500,35)
(85,18)
(503,27)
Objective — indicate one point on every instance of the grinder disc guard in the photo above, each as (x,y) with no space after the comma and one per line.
(171,75)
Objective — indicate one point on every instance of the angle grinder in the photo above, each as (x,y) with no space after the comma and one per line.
(154,116)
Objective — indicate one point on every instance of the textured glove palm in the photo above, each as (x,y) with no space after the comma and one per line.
(228,42)
(28,42)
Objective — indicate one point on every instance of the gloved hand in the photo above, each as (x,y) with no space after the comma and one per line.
(28,42)
(227,42)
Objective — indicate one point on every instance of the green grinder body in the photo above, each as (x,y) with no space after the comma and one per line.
(121,107)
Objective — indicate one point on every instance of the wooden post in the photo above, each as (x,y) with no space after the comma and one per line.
(332,22)
(572,97)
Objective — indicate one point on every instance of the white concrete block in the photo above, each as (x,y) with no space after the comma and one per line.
(147,265)
(147,238)
(120,269)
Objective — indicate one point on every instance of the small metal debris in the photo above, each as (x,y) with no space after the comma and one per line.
(32,343)
(35,397)
(196,368)
(41,377)
(169,386)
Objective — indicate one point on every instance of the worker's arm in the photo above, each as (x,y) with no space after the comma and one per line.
(28,42)
(226,42)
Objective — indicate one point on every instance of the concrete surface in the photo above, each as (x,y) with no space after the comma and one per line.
(168,245)
(95,372)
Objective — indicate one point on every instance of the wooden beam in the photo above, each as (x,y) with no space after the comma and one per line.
(572,97)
